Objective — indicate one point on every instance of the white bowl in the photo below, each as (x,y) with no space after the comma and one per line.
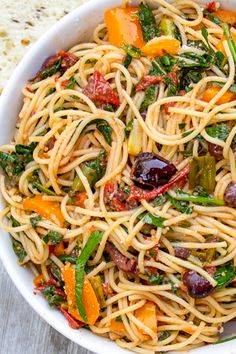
(73,28)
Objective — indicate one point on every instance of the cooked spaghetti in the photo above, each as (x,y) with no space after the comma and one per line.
(120,181)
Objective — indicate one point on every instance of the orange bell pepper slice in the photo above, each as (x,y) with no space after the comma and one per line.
(39,280)
(161,45)
(147,314)
(117,326)
(90,302)
(227,16)
(210,93)
(48,209)
(123,26)
(59,249)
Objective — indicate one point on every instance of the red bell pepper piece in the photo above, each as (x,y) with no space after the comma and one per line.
(73,323)
(98,89)
(138,193)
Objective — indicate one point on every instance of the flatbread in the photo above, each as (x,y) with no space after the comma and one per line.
(22,23)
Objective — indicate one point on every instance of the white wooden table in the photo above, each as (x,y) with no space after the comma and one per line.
(22,331)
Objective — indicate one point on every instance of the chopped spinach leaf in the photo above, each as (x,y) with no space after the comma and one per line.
(182,125)
(51,70)
(71,83)
(148,22)
(65,258)
(212,18)
(53,238)
(55,270)
(94,170)
(155,279)
(164,335)
(149,98)
(180,205)
(131,50)
(151,219)
(19,250)
(34,220)
(219,131)
(224,275)
(159,201)
(128,128)
(118,319)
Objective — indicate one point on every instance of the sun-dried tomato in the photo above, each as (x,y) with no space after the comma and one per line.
(98,89)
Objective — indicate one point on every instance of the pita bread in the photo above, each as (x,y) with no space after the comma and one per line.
(22,23)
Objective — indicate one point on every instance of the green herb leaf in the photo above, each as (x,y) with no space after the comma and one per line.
(159,200)
(164,335)
(34,220)
(43,189)
(224,275)
(162,65)
(182,206)
(53,238)
(128,128)
(182,125)
(198,199)
(131,50)
(71,83)
(219,131)
(65,258)
(149,98)
(118,319)
(94,170)
(212,18)
(148,22)
(19,250)
(51,70)
(88,249)
(108,107)
(155,279)
(105,129)
(127,61)
(151,219)
(14,163)
(55,270)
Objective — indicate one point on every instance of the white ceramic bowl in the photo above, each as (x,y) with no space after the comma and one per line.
(72,29)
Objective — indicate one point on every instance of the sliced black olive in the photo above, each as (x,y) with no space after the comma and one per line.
(197,286)
(182,252)
(151,170)
(230,195)
(216,151)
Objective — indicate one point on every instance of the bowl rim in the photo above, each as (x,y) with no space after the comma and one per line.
(86,339)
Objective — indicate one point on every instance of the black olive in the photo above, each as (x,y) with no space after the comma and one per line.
(181,252)
(216,151)
(151,170)
(230,195)
(197,286)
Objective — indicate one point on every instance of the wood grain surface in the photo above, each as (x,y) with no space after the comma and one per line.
(22,331)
